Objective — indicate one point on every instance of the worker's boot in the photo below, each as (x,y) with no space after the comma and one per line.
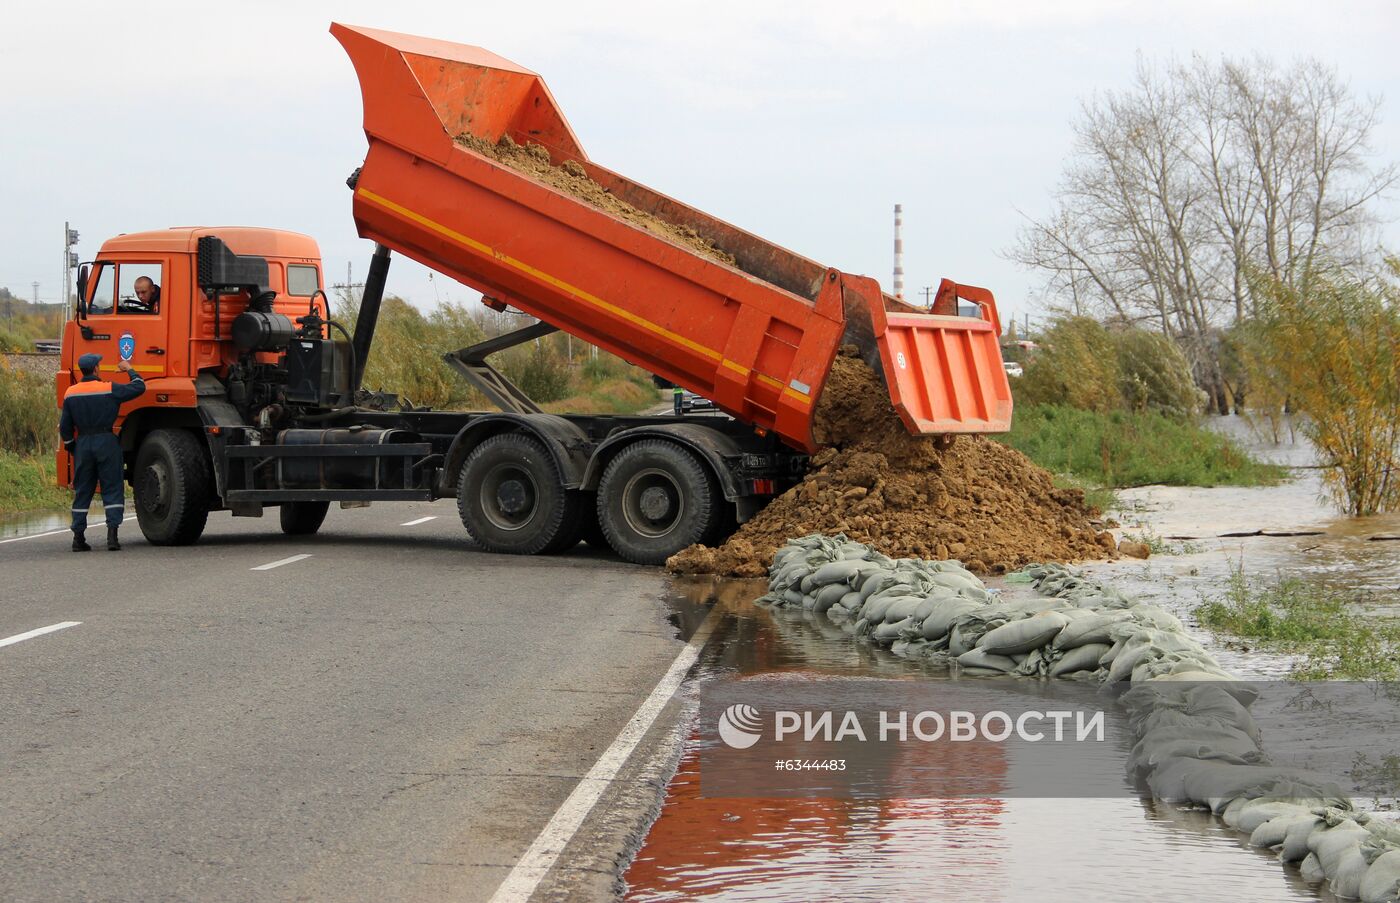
(79,543)
(112,544)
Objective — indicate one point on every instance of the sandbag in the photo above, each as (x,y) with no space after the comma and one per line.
(828,596)
(1079,658)
(939,623)
(876,606)
(889,631)
(1271,833)
(1295,839)
(1339,852)
(1023,635)
(836,572)
(980,658)
(1381,883)
(904,607)
(1156,746)
(1254,812)
(1086,630)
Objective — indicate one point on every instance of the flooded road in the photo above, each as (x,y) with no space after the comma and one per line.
(1012,849)
(1005,849)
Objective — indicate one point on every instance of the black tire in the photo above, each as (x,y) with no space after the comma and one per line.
(512,498)
(725,524)
(592,530)
(655,499)
(171,485)
(303,518)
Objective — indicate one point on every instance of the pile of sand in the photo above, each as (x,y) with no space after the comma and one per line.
(571,178)
(974,500)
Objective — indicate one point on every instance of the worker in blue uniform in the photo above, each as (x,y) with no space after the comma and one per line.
(89,411)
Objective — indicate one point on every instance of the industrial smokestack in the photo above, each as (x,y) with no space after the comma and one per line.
(899,251)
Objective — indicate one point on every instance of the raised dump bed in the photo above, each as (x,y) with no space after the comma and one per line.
(757,335)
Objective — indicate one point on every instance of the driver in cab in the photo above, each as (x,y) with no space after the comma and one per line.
(147,295)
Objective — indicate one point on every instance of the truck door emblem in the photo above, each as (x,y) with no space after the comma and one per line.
(126,346)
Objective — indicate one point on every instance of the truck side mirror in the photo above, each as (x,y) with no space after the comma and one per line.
(82,289)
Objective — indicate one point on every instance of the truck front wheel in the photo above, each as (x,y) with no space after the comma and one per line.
(655,499)
(171,486)
(512,499)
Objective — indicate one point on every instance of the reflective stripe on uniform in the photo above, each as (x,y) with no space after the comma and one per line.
(91,387)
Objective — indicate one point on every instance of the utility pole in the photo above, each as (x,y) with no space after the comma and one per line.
(70,260)
(899,251)
(928,295)
(346,287)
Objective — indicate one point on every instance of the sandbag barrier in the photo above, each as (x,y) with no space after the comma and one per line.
(1195,740)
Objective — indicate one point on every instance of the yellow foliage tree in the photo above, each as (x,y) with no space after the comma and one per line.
(1332,347)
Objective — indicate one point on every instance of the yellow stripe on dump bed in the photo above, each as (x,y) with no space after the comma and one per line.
(574,290)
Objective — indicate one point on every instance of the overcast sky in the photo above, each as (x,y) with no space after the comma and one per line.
(802,122)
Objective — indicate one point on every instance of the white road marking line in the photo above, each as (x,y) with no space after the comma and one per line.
(21,637)
(51,533)
(421,520)
(527,874)
(277,564)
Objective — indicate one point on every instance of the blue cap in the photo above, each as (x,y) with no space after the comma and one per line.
(88,362)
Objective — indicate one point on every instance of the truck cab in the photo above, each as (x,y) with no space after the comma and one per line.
(140,301)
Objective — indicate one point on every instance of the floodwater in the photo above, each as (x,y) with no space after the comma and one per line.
(30,523)
(15,525)
(1310,541)
(1123,848)
(1006,849)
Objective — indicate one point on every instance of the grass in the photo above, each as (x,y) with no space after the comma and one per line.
(28,412)
(1098,497)
(619,395)
(1160,545)
(1121,449)
(29,483)
(1337,639)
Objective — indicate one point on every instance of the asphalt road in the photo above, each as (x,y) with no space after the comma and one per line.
(393,717)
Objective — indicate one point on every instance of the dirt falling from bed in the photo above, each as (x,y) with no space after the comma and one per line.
(974,500)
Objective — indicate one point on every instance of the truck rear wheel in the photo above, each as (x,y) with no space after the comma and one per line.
(303,518)
(171,485)
(512,498)
(655,499)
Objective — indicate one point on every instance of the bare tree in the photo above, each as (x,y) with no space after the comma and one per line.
(1196,174)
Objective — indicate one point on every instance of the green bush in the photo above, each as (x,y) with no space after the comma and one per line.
(1083,364)
(540,374)
(1124,448)
(28,413)
(1154,375)
(1076,364)
(406,356)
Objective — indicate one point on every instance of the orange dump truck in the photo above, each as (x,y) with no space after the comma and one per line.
(254,395)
